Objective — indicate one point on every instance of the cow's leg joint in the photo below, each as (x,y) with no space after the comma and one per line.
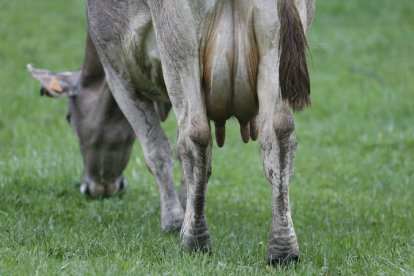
(283,123)
(199,132)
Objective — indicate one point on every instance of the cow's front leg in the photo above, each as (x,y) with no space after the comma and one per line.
(176,28)
(143,118)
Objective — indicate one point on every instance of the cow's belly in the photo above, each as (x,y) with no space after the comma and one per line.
(228,54)
(230,62)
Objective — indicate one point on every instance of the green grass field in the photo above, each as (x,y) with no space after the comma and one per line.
(352,193)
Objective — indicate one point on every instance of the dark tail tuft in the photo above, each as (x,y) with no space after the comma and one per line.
(293,70)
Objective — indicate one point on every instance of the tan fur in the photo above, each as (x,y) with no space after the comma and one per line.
(54,85)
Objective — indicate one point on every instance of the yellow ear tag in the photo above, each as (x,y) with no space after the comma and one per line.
(55,86)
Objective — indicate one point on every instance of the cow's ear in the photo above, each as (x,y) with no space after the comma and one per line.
(56,85)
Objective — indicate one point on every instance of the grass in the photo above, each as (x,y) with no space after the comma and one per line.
(352,194)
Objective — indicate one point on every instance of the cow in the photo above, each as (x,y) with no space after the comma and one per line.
(212,60)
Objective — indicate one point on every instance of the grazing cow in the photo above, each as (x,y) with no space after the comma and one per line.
(212,59)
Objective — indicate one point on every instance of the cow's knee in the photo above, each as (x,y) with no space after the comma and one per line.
(283,123)
(195,135)
(198,131)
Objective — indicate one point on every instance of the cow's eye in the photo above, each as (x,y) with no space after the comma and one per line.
(68,118)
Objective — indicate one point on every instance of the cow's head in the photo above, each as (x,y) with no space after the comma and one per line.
(105,137)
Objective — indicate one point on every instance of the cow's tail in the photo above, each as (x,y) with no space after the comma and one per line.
(293,70)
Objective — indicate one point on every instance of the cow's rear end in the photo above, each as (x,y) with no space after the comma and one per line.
(212,60)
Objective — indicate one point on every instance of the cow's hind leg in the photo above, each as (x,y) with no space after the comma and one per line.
(183,187)
(176,30)
(195,153)
(278,146)
(155,145)
(276,120)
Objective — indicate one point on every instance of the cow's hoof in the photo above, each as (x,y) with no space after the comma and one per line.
(196,244)
(281,259)
(172,220)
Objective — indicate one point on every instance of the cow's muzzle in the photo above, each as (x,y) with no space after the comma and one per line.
(97,190)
